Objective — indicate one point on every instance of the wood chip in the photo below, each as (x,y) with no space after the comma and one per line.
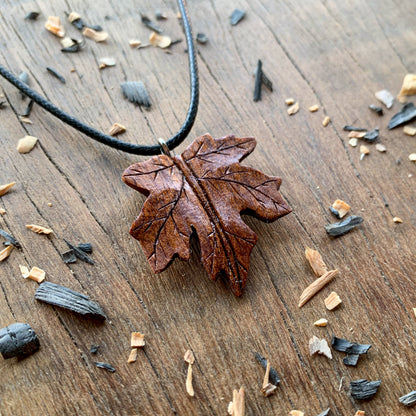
(133,355)
(397,220)
(409,130)
(326,121)
(39,229)
(319,346)
(289,101)
(105,62)
(159,40)
(321,322)
(316,262)
(316,286)
(2,211)
(36,274)
(381,148)
(293,109)
(359,413)
(385,97)
(54,26)
(67,42)
(137,340)
(353,142)
(26,144)
(5,188)
(24,271)
(25,120)
(189,357)
(5,253)
(267,388)
(409,85)
(341,207)
(94,35)
(332,301)
(135,43)
(414,311)
(314,108)
(357,134)
(412,158)
(73,16)
(364,150)
(189,387)
(237,406)
(296,413)
(116,128)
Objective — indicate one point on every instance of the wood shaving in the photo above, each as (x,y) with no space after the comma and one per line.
(289,101)
(24,271)
(237,406)
(189,357)
(133,356)
(397,220)
(116,128)
(94,35)
(381,148)
(26,144)
(2,211)
(5,252)
(359,413)
(296,413)
(53,24)
(66,42)
(409,130)
(293,109)
(326,121)
(356,134)
(316,286)
(137,340)
(412,158)
(267,387)
(6,188)
(314,108)
(39,229)
(160,41)
(135,43)
(342,208)
(25,120)
(189,387)
(36,274)
(353,142)
(316,262)
(321,322)
(364,150)
(319,346)
(332,301)
(409,85)
(73,16)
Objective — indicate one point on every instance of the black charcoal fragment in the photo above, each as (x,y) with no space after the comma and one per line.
(106,366)
(273,376)
(75,47)
(236,16)
(85,247)
(407,113)
(28,110)
(10,240)
(79,23)
(363,389)
(24,77)
(376,109)
(351,359)
(160,16)
(371,136)
(344,226)
(136,92)
(201,38)
(266,81)
(149,24)
(257,82)
(94,349)
(2,104)
(32,16)
(66,298)
(18,340)
(342,345)
(174,42)
(97,28)
(56,74)
(79,253)
(353,128)
(325,412)
(409,399)
(69,257)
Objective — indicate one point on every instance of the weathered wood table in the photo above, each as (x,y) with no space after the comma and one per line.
(333,54)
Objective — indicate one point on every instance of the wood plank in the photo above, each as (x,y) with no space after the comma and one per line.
(312,52)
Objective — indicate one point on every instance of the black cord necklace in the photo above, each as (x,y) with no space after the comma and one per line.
(136,149)
(204,190)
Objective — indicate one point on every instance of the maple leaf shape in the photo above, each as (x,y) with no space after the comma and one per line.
(205,189)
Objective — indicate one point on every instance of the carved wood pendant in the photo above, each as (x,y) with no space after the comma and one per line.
(205,189)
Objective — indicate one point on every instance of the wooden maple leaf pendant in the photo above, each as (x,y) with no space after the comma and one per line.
(205,189)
